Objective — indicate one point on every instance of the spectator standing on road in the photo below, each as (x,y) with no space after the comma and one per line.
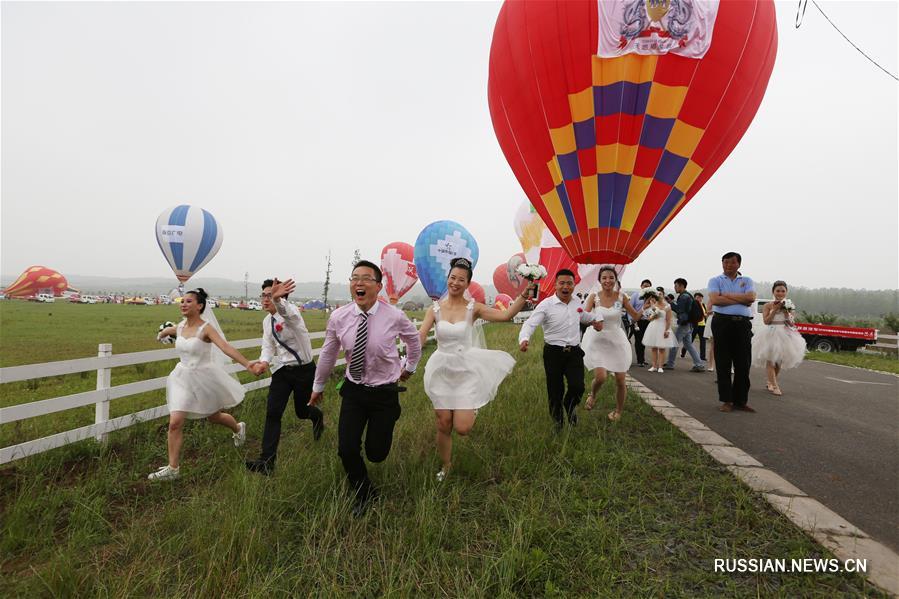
(683,331)
(699,327)
(639,326)
(731,295)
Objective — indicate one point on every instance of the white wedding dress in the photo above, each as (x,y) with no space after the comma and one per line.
(778,343)
(459,375)
(198,385)
(608,348)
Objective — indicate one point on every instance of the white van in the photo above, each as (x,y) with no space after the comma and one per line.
(46,297)
(254,305)
(88,299)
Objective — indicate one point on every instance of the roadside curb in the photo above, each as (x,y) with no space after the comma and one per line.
(828,528)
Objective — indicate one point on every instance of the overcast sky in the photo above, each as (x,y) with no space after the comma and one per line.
(308,127)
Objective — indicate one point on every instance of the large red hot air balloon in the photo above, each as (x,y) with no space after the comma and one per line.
(613,114)
(506,278)
(35,280)
(398,268)
(477,292)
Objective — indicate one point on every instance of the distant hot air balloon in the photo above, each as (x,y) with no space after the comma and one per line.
(529,228)
(502,301)
(398,267)
(437,244)
(613,114)
(507,280)
(477,292)
(35,280)
(189,237)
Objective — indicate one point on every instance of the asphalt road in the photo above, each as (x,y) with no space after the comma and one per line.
(834,433)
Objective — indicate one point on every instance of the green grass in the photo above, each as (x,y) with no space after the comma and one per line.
(629,509)
(884,363)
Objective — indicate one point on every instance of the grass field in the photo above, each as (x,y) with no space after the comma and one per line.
(884,363)
(626,509)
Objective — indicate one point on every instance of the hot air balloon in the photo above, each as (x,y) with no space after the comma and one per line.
(35,280)
(507,280)
(189,237)
(398,267)
(613,114)
(437,244)
(502,301)
(529,228)
(476,292)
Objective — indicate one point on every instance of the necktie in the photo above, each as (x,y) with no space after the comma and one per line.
(284,345)
(357,361)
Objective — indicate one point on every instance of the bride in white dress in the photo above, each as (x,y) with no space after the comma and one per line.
(608,350)
(462,376)
(199,387)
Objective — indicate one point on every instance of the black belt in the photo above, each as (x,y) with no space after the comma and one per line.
(303,365)
(562,347)
(732,316)
(385,387)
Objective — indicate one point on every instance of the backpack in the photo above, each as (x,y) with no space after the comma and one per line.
(695,315)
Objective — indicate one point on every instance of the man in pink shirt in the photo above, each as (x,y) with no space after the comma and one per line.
(367,331)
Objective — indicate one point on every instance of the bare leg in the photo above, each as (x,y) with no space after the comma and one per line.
(599,379)
(175,437)
(711,354)
(445,437)
(770,375)
(775,374)
(224,419)
(620,391)
(463,421)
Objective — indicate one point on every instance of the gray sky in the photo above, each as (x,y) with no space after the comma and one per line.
(314,126)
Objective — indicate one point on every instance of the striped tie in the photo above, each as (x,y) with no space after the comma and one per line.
(357,362)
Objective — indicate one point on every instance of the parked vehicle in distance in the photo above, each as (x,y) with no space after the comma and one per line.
(829,337)
(88,299)
(253,305)
(46,298)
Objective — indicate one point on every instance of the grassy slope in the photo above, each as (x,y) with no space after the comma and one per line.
(884,363)
(626,509)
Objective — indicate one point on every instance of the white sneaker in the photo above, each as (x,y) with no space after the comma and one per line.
(165,473)
(653,369)
(441,476)
(660,370)
(240,437)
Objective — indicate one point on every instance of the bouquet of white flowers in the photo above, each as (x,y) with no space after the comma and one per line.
(788,305)
(647,292)
(162,327)
(652,313)
(531,272)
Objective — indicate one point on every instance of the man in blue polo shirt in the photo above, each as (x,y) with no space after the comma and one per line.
(731,296)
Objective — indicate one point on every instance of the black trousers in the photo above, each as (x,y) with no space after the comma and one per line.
(376,409)
(561,365)
(733,348)
(698,330)
(639,348)
(286,380)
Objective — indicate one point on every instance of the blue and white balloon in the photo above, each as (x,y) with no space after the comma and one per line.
(436,246)
(189,237)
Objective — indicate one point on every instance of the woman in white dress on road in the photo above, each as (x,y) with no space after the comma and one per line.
(777,344)
(658,337)
(199,387)
(608,350)
(462,376)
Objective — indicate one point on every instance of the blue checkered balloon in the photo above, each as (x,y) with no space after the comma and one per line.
(437,244)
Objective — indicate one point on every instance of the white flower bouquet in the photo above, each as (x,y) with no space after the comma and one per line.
(162,327)
(652,313)
(647,292)
(531,272)
(788,305)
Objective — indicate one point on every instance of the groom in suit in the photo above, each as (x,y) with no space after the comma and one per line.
(366,330)
(287,350)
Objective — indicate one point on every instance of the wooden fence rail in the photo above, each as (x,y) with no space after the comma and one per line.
(102,395)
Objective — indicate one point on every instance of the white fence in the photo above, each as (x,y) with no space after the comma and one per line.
(101,396)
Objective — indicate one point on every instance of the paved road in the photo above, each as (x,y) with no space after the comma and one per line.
(834,433)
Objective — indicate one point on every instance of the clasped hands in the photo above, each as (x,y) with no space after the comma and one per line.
(257,367)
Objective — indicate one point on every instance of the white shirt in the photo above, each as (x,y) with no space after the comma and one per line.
(293,333)
(561,322)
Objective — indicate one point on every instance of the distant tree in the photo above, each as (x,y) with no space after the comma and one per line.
(822,318)
(891,321)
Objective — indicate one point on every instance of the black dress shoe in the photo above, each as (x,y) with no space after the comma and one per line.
(363,501)
(263,467)
(318,426)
